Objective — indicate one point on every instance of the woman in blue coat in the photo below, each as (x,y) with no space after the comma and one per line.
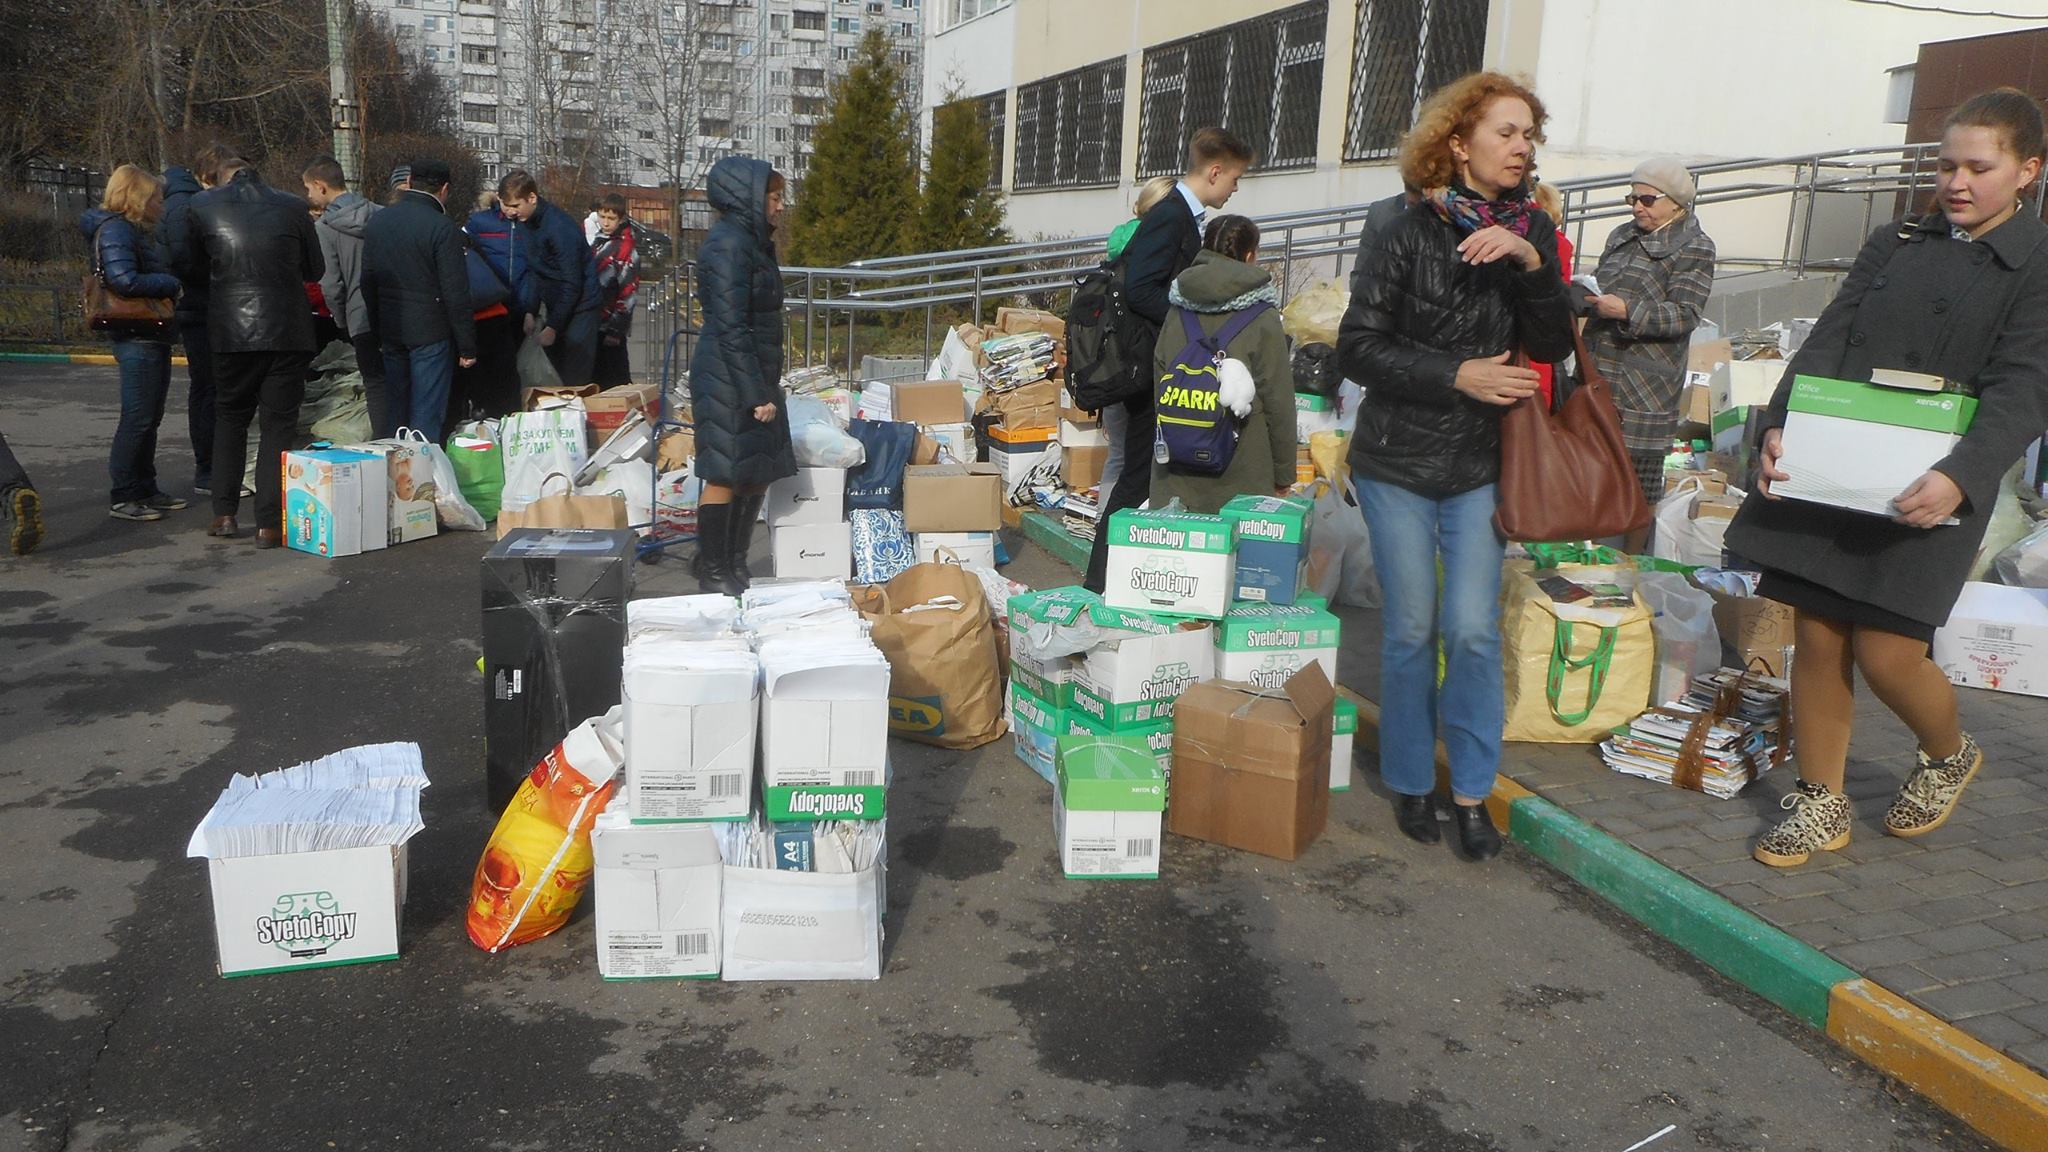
(129,264)
(736,371)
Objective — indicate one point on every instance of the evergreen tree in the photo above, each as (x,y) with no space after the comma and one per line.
(958,207)
(859,198)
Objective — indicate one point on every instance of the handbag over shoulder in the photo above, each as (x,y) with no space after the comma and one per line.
(108,311)
(1566,475)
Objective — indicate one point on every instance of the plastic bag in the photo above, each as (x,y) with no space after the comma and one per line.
(535,369)
(1688,643)
(537,863)
(537,445)
(632,481)
(1340,567)
(818,439)
(2008,525)
(1680,536)
(1312,316)
(2025,564)
(877,483)
(957,359)
(450,507)
(479,470)
(1315,369)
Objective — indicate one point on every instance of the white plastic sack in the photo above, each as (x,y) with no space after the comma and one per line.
(450,509)
(534,368)
(955,360)
(1679,537)
(2009,522)
(2025,564)
(675,504)
(633,480)
(1340,566)
(1688,644)
(818,439)
(536,445)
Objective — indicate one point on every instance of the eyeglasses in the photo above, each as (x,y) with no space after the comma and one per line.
(1643,199)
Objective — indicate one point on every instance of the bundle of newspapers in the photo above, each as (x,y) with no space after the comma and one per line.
(1014,361)
(355,798)
(1079,512)
(1727,730)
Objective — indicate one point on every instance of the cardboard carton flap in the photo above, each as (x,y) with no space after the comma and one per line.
(1310,691)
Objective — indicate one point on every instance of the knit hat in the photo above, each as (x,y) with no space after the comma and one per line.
(1667,174)
(400,175)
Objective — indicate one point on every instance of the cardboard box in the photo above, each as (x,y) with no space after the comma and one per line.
(676,451)
(307,909)
(1177,563)
(1134,679)
(1696,406)
(1032,406)
(1050,680)
(1251,769)
(783,925)
(689,735)
(409,479)
(1706,355)
(812,496)
(1343,734)
(825,730)
(657,896)
(812,551)
(1156,736)
(558,396)
(975,548)
(1081,466)
(1011,321)
(1081,433)
(1272,546)
(944,443)
(953,498)
(1037,726)
(1997,638)
(927,401)
(607,410)
(1856,446)
(1015,452)
(1743,384)
(554,639)
(1078,416)
(1109,805)
(1754,629)
(1266,644)
(336,502)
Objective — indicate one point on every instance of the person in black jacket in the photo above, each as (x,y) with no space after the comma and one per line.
(416,290)
(568,279)
(1441,298)
(1167,241)
(180,186)
(736,371)
(128,263)
(254,249)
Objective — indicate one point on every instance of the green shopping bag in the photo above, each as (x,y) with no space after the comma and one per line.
(479,471)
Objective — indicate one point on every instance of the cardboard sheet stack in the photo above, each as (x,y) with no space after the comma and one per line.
(307,864)
(1744,727)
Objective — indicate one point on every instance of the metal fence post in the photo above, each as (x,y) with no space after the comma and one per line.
(810,294)
(56,316)
(1806,232)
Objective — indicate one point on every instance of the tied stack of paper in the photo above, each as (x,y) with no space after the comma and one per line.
(1726,731)
(1014,361)
(357,798)
(1081,509)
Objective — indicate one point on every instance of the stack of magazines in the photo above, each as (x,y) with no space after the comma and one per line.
(1014,361)
(1079,512)
(1740,743)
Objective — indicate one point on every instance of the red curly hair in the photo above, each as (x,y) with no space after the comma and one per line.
(1455,110)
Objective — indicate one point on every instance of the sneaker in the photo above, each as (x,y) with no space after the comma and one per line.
(1931,792)
(201,490)
(1819,823)
(134,510)
(25,516)
(165,502)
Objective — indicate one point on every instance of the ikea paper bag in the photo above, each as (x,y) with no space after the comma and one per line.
(1573,674)
(945,682)
(565,509)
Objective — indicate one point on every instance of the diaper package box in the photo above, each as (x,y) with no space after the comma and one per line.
(1110,805)
(1174,563)
(657,890)
(409,471)
(336,501)
(1134,679)
(1272,545)
(1265,644)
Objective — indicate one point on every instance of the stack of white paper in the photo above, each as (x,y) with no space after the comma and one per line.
(275,821)
(693,616)
(828,846)
(824,710)
(772,609)
(689,718)
(395,765)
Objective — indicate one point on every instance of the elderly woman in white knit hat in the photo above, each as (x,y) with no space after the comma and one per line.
(1654,276)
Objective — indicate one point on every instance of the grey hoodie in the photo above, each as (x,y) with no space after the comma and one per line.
(341,243)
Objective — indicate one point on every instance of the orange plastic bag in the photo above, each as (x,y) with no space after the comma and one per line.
(538,863)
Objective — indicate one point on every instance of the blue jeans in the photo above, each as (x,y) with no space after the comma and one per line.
(1409,534)
(145,382)
(416,386)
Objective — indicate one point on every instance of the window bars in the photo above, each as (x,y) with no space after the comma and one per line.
(1070,128)
(1404,50)
(1261,79)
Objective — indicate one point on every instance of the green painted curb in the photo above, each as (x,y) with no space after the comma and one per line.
(1045,531)
(1782,969)
(36,357)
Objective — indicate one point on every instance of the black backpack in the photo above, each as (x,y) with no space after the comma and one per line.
(1109,350)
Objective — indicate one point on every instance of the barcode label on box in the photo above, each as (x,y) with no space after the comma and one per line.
(861,779)
(1995,632)
(693,944)
(1138,849)
(724,785)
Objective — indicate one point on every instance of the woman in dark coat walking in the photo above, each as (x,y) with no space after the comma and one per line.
(1963,294)
(736,372)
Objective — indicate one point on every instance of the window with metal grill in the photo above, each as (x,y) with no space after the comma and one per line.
(1262,79)
(992,109)
(1070,128)
(1404,50)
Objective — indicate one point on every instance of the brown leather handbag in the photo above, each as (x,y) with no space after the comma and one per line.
(108,311)
(1566,475)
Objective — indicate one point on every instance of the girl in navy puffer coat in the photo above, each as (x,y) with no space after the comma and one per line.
(129,264)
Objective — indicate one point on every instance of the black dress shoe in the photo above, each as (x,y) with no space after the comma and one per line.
(1416,816)
(1476,833)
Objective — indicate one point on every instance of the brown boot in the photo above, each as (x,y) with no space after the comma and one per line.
(224,527)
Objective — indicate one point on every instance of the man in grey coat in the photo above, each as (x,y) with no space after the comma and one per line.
(343,217)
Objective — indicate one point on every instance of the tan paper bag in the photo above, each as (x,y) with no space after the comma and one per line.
(1573,676)
(945,679)
(565,510)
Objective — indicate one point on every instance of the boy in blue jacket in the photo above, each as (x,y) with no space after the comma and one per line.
(568,279)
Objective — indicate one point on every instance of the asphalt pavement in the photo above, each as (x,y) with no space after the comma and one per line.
(1374,995)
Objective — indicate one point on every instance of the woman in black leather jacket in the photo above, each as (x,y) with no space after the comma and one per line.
(129,264)
(1441,300)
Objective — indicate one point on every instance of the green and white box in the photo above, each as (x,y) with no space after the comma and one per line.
(1857,446)
(1051,680)
(307,909)
(1272,545)
(824,732)
(657,894)
(1111,804)
(1175,563)
(1264,644)
(1133,679)
(1035,726)
(1341,741)
(1158,736)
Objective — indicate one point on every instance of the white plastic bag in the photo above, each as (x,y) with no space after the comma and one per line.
(534,368)
(818,439)
(1688,644)
(955,360)
(675,504)
(536,445)
(2025,564)
(450,508)
(1340,566)
(632,480)
(1696,543)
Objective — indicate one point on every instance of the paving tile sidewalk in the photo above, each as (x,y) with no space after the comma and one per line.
(1955,921)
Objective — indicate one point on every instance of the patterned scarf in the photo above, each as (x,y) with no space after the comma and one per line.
(1468,212)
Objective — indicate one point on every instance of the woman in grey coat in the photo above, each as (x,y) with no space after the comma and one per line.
(1655,275)
(1962,294)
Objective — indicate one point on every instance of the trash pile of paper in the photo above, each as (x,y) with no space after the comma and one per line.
(357,798)
(1742,718)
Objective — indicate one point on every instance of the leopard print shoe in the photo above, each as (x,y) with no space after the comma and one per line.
(1819,823)
(1931,792)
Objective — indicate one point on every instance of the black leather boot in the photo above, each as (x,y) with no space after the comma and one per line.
(1416,817)
(714,545)
(746,510)
(1476,833)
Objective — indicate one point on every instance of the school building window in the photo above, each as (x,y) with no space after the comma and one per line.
(992,109)
(1070,128)
(1261,79)
(1406,49)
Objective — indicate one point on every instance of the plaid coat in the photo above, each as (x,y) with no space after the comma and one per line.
(1665,276)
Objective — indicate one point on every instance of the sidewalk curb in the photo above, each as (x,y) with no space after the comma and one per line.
(100,359)
(1048,533)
